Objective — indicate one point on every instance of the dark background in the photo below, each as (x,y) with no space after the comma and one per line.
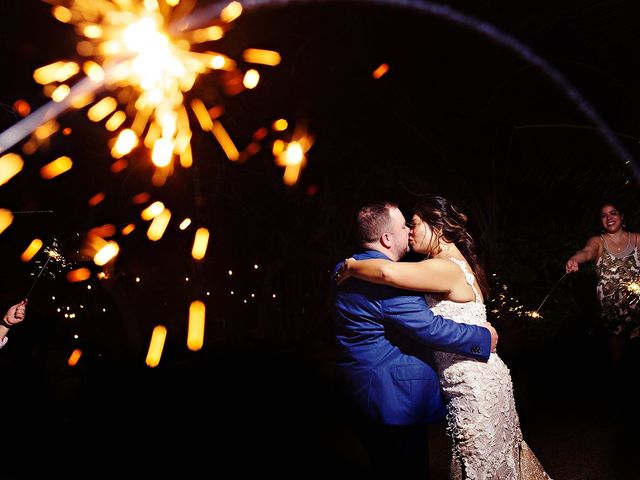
(460,113)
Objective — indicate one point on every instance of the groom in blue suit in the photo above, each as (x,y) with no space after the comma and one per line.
(384,359)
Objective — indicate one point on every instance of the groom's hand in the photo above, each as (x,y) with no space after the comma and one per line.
(494,337)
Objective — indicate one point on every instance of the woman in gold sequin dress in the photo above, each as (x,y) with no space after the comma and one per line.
(481,416)
(617,258)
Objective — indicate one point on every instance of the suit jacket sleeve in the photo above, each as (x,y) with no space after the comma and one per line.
(410,315)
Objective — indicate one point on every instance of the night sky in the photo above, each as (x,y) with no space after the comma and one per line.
(459,113)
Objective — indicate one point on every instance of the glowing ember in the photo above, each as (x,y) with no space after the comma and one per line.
(380,71)
(31,250)
(195,333)
(74,357)
(78,275)
(6,218)
(200,244)
(55,168)
(101,250)
(156,346)
(159,225)
(10,165)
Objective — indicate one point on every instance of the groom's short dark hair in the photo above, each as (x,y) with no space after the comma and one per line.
(372,221)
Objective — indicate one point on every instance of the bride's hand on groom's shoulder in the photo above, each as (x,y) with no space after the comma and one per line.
(343,272)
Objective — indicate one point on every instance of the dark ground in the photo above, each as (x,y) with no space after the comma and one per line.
(246,410)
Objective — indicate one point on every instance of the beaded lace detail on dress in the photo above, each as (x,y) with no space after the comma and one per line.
(481,416)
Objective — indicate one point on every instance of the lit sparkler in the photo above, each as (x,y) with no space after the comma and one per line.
(633,287)
(53,253)
(504,303)
(142,49)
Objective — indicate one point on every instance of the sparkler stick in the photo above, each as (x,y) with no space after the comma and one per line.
(537,310)
(51,110)
(20,212)
(39,275)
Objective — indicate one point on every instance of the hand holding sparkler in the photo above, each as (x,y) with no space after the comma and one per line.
(14,315)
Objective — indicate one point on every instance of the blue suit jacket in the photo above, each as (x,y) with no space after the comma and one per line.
(384,341)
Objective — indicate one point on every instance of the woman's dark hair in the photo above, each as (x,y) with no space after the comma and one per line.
(439,213)
(614,203)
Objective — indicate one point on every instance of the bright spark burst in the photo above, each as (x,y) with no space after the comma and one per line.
(503,303)
(144,52)
(130,49)
(55,257)
(633,287)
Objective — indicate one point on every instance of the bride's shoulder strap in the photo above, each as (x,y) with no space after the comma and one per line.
(468,275)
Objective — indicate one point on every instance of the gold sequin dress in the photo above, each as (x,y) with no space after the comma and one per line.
(482,421)
(618,273)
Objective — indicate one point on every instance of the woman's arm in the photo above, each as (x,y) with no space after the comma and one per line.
(433,275)
(588,254)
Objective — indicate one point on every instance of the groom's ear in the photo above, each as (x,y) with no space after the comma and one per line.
(385,240)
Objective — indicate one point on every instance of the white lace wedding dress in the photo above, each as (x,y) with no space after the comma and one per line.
(482,421)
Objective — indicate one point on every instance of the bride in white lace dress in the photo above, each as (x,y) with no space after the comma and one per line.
(482,421)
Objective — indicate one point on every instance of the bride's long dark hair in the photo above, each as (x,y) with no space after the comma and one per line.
(441,214)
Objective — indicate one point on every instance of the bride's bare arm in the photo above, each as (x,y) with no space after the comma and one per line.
(433,275)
